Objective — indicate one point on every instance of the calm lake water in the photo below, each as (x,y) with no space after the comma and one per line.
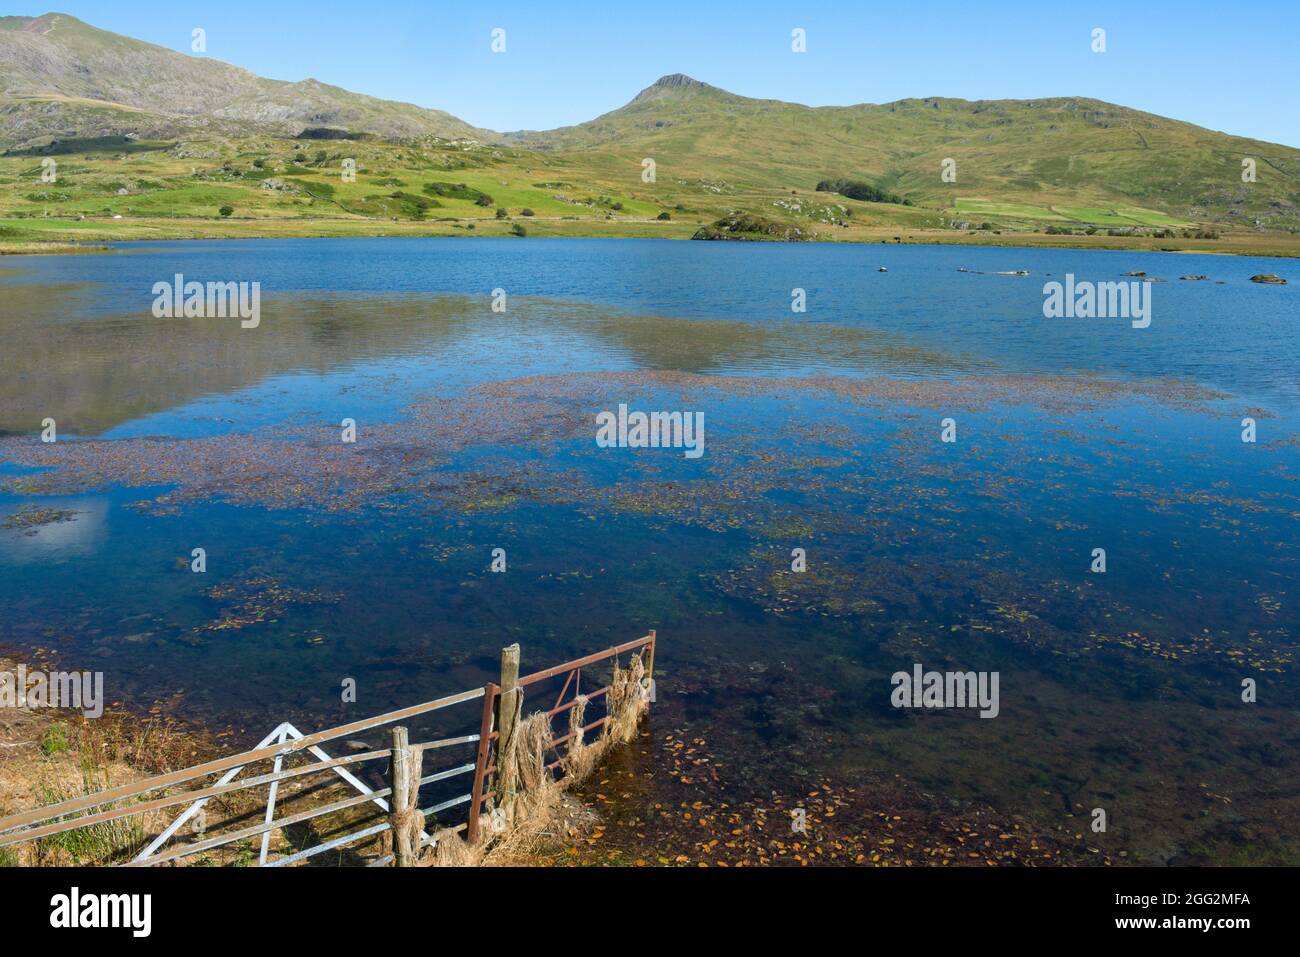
(476,431)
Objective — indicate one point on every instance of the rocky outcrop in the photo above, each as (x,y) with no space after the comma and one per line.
(747,227)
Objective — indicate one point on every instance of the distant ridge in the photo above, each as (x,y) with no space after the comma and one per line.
(60,77)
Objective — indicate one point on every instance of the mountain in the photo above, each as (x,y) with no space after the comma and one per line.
(1057,162)
(60,77)
(1068,152)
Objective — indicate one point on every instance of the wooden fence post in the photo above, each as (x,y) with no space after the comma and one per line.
(403,802)
(507,712)
(650,655)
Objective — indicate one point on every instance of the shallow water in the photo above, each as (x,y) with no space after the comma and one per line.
(1119,690)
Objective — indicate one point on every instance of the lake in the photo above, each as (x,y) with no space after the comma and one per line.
(823,432)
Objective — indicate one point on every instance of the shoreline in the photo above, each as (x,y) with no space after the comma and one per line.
(672,813)
(1270,246)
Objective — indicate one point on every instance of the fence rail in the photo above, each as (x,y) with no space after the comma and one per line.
(500,706)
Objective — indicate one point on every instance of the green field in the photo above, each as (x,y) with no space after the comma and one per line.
(991,208)
(1116,216)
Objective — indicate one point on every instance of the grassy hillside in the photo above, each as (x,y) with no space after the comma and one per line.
(115,188)
(1063,159)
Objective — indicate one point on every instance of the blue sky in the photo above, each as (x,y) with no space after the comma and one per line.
(1227,66)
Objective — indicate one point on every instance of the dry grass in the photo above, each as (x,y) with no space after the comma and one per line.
(534,841)
(57,759)
(628,700)
(49,756)
(535,809)
(579,757)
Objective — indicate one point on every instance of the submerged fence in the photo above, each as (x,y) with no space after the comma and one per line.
(398,801)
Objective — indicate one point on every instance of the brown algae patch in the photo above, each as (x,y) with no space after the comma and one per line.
(308,466)
(257,600)
(29,519)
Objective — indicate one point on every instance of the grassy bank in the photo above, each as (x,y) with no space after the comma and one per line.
(269,187)
(48,756)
